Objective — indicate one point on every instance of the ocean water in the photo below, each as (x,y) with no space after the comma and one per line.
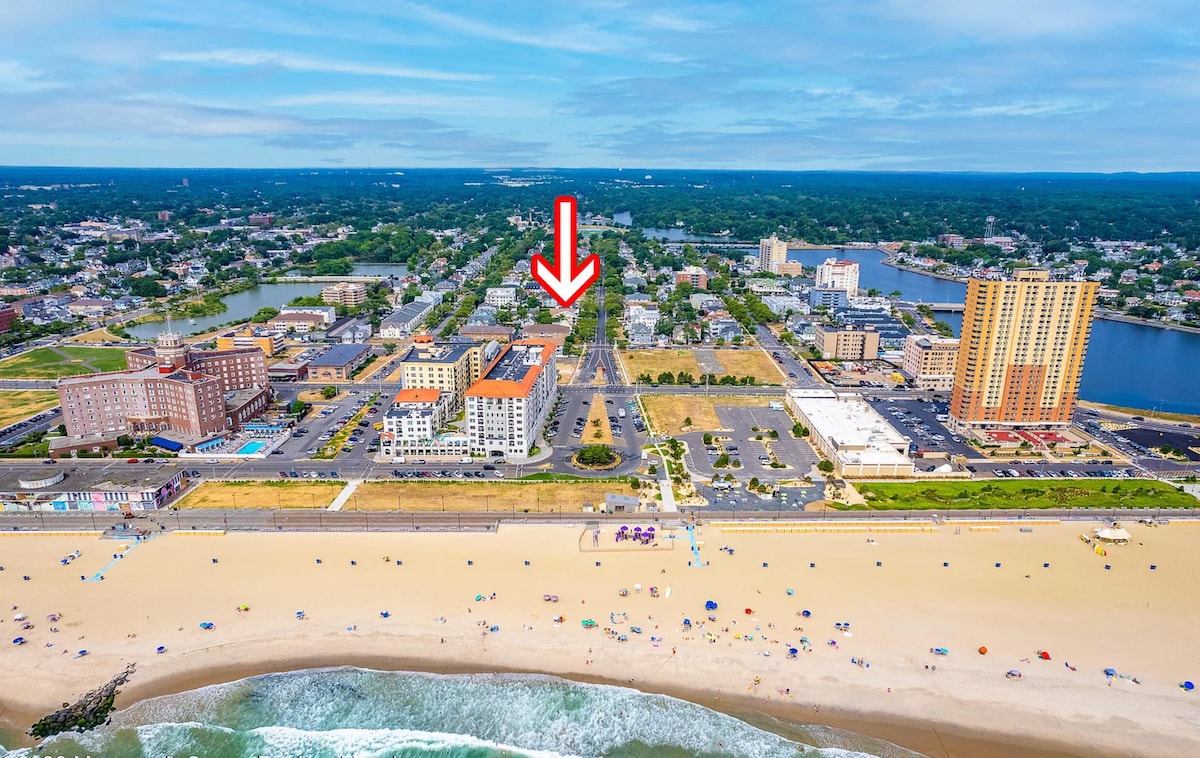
(331,713)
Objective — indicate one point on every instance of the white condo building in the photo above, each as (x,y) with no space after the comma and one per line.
(838,275)
(507,407)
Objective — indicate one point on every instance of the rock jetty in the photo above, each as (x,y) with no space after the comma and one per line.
(88,712)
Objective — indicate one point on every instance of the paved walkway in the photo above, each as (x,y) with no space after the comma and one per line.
(345,494)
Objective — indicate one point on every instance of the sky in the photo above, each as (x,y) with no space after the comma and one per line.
(926,85)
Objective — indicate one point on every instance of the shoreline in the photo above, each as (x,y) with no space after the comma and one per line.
(926,738)
(898,612)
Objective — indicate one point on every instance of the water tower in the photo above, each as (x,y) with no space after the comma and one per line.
(989,229)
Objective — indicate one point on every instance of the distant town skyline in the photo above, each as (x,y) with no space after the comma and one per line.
(938,85)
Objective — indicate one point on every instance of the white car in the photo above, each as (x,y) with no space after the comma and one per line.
(499,474)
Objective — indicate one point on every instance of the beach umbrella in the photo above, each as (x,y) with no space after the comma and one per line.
(21,641)
(637,529)
(805,613)
(1110,672)
(749,611)
(624,528)
(649,529)
(710,605)
(1044,655)
(793,650)
(982,650)
(1188,686)
(19,617)
(81,653)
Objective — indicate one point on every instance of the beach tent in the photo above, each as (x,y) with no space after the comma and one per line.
(1115,536)
(710,605)
(1045,656)
(1187,686)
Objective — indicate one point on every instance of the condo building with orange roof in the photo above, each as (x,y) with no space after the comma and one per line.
(507,407)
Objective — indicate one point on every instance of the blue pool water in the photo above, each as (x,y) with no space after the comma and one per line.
(250,448)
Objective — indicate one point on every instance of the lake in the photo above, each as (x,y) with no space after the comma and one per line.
(240,307)
(1127,364)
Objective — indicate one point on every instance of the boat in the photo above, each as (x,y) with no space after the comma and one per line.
(191,320)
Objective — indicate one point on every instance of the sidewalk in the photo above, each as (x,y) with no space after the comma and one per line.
(344,495)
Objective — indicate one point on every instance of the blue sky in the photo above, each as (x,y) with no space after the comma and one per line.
(989,85)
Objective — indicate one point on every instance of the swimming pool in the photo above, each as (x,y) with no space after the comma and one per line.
(250,448)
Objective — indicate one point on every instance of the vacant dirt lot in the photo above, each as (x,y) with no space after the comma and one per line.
(280,494)
(754,362)
(667,412)
(654,362)
(481,495)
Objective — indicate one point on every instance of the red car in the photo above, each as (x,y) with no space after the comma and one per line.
(132,460)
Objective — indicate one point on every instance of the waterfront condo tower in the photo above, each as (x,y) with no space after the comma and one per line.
(1021,351)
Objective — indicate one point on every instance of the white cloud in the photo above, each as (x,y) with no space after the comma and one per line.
(482,105)
(294,62)
(576,38)
(1008,19)
(16,76)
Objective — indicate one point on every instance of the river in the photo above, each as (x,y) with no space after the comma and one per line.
(1127,364)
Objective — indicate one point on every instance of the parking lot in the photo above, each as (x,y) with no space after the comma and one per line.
(917,420)
(754,456)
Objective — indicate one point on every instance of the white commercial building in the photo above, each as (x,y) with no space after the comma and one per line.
(507,407)
(838,275)
(848,431)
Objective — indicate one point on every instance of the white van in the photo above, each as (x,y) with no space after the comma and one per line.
(722,486)
(942,417)
(468,459)
(399,459)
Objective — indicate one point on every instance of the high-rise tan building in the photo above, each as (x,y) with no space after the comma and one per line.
(1022,350)
(451,367)
(838,275)
(930,361)
(771,252)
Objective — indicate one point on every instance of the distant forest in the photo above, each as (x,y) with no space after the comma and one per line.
(819,207)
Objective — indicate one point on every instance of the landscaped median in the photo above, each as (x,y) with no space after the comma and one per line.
(289,493)
(1015,495)
(331,448)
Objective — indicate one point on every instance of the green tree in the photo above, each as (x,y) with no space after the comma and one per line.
(264,315)
(666,377)
(722,461)
(145,287)
(825,467)
(389,347)
(687,421)
(708,438)
(329,392)
(754,483)
(596,455)
(297,407)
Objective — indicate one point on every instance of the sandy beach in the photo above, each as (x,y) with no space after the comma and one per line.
(1140,622)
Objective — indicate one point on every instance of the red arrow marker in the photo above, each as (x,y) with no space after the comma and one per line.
(567,279)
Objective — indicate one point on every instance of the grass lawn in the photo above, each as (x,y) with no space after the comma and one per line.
(667,412)
(600,434)
(18,404)
(755,363)
(279,494)
(654,362)
(1109,493)
(481,495)
(45,363)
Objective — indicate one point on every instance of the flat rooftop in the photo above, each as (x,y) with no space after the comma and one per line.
(515,371)
(114,475)
(340,355)
(438,352)
(858,432)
